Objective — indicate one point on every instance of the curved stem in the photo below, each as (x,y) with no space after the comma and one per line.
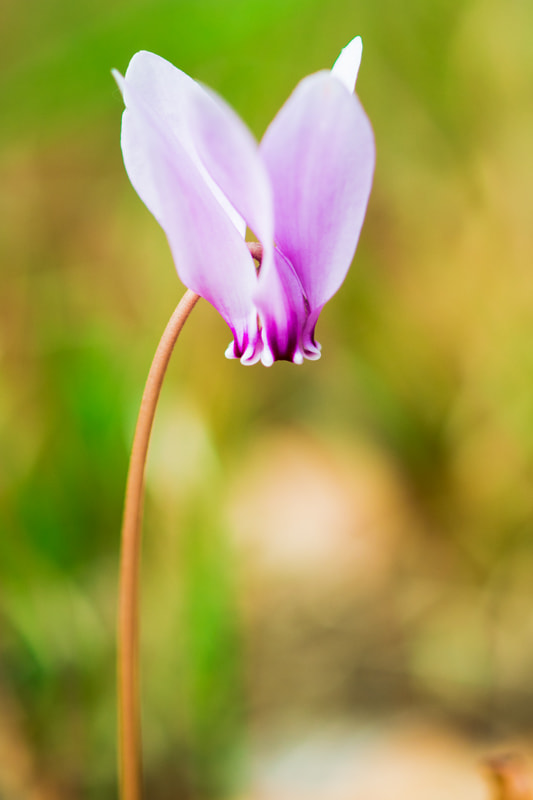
(128,603)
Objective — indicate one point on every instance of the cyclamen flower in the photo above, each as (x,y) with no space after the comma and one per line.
(302,191)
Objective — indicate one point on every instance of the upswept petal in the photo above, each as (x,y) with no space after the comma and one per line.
(210,254)
(215,138)
(319,152)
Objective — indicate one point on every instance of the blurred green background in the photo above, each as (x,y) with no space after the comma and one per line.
(339,541)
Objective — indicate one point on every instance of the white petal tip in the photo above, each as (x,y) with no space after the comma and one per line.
(267,359)
(346,67)
(230,351)
(251,355)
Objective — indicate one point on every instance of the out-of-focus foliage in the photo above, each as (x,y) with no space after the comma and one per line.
(343,539)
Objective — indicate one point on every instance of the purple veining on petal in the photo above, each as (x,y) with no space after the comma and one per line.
(283,311)
(245,347)
(311,348)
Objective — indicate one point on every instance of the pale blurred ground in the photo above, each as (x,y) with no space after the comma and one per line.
(397,760)
(339,557)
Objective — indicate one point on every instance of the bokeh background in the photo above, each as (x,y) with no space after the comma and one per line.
(334,553)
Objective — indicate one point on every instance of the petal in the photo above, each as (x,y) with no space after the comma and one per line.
(287,321)
(214,137)
(320,155)
(283,311)
(347,65)
(210,254)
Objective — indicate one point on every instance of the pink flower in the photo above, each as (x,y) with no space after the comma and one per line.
(302,191)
